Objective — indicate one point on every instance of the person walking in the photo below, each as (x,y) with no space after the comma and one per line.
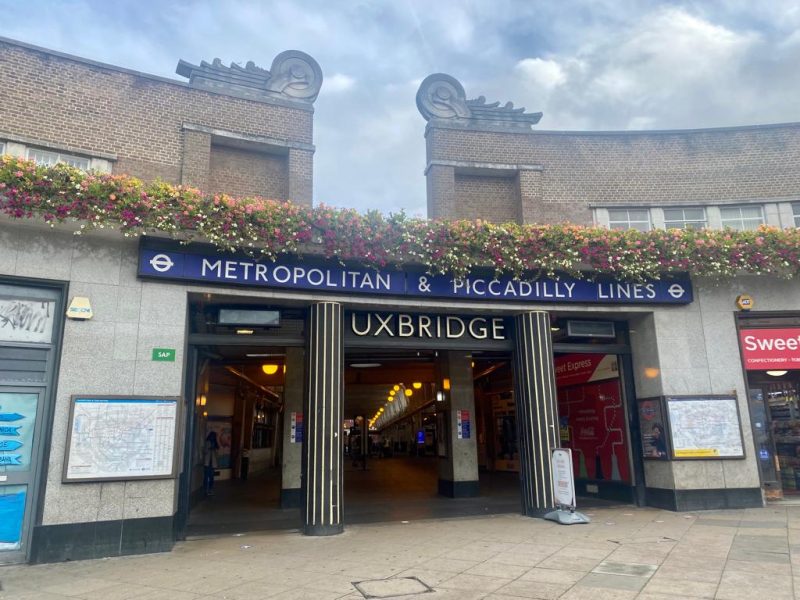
(210,462)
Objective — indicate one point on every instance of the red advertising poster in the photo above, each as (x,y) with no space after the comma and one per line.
(592,417)
(764,349)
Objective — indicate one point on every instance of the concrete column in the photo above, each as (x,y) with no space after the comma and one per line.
(292,453)
(537,411)
(458,472)
(323,419)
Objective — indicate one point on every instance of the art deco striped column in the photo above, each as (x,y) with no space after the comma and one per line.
(537,415)
(323,448)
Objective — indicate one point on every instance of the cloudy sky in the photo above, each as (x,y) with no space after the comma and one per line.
(594,64)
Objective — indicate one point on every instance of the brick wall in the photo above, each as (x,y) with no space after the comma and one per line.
(490,198)
(247,173)
(584,169)
(139,118)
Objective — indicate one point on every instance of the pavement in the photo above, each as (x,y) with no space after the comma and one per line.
(624,553)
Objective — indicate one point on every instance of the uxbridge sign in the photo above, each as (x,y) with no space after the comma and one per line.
(432,327)
(202,264)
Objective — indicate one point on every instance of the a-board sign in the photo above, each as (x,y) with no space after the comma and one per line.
(563,479)
(114,438)
(705,427)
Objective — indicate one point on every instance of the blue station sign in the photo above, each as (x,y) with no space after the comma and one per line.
(204,266)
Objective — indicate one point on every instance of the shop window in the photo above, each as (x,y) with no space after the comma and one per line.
(796,213)
(48,158)
(685,218)
(743,218)
(629,218)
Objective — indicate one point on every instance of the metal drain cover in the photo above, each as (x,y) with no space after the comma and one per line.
(387,588)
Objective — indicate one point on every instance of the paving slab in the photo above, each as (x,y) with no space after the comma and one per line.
(624,554)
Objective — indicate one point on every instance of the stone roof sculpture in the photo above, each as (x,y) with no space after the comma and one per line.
(442,98)
(294,76)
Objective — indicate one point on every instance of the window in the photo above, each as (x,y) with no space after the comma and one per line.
(685,218)
(796,213)
(629,218)
(742,218)
(48,159)
(2,148)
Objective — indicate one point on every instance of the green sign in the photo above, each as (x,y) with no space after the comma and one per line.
(164,354)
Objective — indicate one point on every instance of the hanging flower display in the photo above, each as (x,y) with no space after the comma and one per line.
(269,228)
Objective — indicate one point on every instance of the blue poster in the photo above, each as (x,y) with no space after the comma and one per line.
(17,419)
(12,512)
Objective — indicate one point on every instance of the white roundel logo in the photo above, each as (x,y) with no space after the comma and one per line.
(161,263)
(676,290)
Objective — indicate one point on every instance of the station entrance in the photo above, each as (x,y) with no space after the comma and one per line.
(415,428)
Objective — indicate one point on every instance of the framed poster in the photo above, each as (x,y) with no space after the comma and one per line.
(703,427)
(117,438)
(653,428)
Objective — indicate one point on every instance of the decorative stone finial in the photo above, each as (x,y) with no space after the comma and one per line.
(441,96)
(294,75)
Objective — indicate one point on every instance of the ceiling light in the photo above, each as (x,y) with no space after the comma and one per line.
(445,384)
(269,369)
(416,385)
(409,392)
(396,388)
(554,328)
(392,392)
(245,332)
(262,354)
(777,373)
(365,365)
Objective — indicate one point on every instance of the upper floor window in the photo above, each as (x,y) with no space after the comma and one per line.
(685,218)
(796,213)
(742,218)
(48,158)
(629,218)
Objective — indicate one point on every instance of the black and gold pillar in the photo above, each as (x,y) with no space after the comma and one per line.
(537,411)
(323,448)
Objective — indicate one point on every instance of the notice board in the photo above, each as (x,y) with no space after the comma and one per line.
(704,427)
(114,438)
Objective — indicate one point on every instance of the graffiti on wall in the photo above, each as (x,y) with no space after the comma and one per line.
(26,320)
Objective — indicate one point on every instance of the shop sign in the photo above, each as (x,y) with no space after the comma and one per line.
(296,428)
(200,265)
(438,327)
(764,349)
(163,354)
(575,369)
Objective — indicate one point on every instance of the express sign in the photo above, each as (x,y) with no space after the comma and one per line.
(764,349)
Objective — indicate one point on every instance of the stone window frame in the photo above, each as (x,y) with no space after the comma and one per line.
(741,219)
(49,158)
(796,213)
(21,147)
(684,222)
(627,222)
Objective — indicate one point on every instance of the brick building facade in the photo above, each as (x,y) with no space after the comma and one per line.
(215,138)
(157,333)
(532,176)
